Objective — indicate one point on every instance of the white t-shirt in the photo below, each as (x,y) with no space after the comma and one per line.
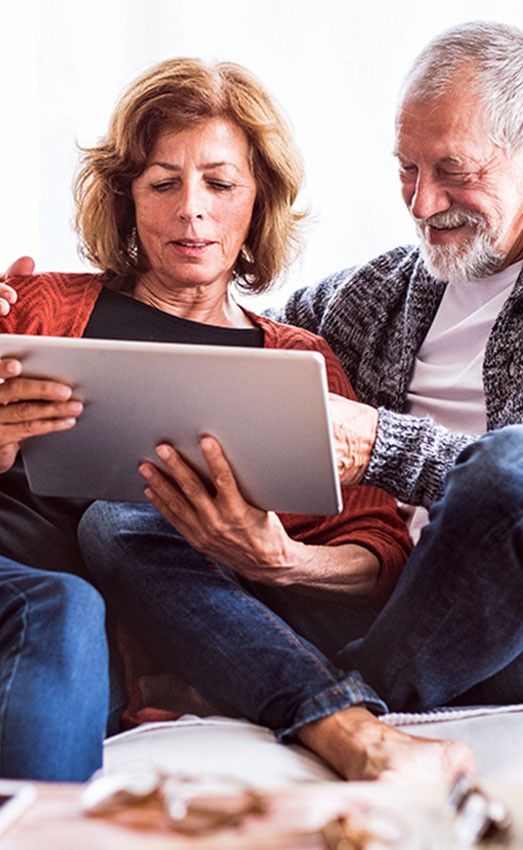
(447,380)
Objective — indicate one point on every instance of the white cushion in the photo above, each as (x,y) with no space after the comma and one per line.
(216,746)
(244,752)
(494,734)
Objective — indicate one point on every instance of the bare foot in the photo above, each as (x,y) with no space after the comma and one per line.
(358,746)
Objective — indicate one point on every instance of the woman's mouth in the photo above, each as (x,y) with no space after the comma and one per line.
(192,247)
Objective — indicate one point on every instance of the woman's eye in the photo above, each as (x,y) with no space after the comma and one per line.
(163,186)
(220,185)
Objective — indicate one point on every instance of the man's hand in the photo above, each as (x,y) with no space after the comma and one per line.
(8,295)
(23,265)
(223,525)
(354,426)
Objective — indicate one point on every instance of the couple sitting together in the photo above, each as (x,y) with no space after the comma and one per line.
(311,626)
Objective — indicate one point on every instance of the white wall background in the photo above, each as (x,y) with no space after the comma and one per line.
(334,65)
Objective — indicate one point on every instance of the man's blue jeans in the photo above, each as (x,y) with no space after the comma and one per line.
(452,631)
(54,680)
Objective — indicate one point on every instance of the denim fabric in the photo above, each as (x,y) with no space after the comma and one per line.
(226,637)
(452,631)
(53,675)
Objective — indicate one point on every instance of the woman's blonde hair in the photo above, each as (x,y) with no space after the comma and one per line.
(177,94)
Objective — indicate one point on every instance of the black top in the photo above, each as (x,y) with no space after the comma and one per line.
(41,531)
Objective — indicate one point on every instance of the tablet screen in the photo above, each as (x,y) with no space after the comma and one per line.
(267,407)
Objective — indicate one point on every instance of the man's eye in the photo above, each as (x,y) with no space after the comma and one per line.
(407,170)
(456,176)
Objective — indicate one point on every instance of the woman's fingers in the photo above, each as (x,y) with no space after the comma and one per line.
(30,407)
(27,412)
(7,456)
(220,470)
(191,484)
(9,368)
(12,434)
(18,388)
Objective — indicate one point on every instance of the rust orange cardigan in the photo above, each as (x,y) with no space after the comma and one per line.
(61,304)
(56,304)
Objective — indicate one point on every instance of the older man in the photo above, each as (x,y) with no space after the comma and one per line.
(431,337)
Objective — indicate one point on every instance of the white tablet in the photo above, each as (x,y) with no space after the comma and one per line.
(267,407)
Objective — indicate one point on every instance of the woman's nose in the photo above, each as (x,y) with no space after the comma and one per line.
(191,204)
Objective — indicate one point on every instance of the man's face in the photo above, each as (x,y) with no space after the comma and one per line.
(464,192)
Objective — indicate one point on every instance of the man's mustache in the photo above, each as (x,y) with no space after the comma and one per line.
(450,218)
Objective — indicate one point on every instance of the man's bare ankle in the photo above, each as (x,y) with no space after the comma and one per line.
(360,747)
(342,739)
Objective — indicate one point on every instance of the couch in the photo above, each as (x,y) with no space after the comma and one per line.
(215,749)
(217,745)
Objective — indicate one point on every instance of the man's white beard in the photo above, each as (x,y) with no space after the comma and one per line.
(474,257)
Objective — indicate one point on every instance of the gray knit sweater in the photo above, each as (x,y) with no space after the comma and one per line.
(375,317)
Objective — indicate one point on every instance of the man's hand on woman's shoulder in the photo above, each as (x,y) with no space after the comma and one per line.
(8,295)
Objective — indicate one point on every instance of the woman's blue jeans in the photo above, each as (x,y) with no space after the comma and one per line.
(54,680)
(453,630)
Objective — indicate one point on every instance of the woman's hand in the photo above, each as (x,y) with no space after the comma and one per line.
(30,406)
(250,541)
(224,526)
(354,427)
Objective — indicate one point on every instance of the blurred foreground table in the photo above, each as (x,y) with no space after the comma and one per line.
(55,821)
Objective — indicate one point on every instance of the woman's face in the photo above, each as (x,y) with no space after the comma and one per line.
(194,203)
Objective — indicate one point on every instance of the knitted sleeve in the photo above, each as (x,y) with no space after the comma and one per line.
(51,304)
(306,307)
(375,317)
(412,456)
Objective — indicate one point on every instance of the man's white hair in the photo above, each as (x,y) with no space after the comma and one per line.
(488,56)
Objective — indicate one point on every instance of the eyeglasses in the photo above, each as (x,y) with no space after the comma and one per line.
(191,805)
(478,818)
(207,804)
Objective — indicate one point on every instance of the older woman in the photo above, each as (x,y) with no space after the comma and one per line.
(186,201)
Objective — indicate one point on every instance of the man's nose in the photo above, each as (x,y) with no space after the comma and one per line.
(428,197)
